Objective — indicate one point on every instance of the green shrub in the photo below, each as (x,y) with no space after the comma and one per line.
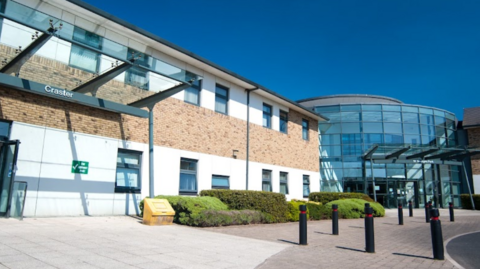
(209,218)
(273,205)
(316,211)
(187,209)
(294,210)
(467,203)
(353,208)
(326,197)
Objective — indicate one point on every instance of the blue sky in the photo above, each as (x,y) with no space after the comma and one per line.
(421,52)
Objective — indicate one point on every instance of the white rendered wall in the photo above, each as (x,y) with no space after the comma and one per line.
(45,161)
(476,184)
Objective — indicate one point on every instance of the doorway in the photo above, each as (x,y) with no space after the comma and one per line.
(8,161)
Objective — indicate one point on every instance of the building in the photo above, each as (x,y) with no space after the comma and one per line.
(393,151)
(471,127)
(96,114)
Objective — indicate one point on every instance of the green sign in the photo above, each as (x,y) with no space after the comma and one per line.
(79,167)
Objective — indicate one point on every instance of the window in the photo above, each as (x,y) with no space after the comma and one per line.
(221,99)
(4,130)
(192,94)
(266,180)
(305,129)
(136,76)
(284,182)
(188,176)
(283,121)
(81,57)
(267,116)
(306,186)
(128,171)
(220,182)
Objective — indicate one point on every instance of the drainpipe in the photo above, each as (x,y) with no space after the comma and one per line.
(150,150)
(248,137)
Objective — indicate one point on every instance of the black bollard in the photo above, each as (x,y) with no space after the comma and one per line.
(410,209)
(400,214)
(452,216)
(427,212)
(303,225)
(335,219)
(437,237)
(369,232)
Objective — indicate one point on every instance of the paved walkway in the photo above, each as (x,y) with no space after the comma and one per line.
(407,246)
(122,242)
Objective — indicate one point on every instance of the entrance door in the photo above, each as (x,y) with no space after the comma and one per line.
(8,160)
(406,191)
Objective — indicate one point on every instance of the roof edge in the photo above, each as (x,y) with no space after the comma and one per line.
(351,95)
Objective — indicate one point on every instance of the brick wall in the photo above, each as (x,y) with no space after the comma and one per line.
(474,141)
(177,124)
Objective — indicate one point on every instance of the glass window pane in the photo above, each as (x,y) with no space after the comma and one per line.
(372,127)
(352,150)
(395,128)
(412,139)
(427,129)
(411,128)
(351,107)
(220,182)
(220,105)
(427,111)
(373,138)
(392,116)
(283,121)
(351,128)
(426,119)
(410,118)
(439,113)
(84,59)
(372,116)
(320,109)
(330,139)
(192,96)
(439,121)
(429,140)
(393,139)
(329,128)
(188,182)
(221,91)
(391,108)
(372,107)
(328,151)
(351,138)
(410,109)
(128,158)
(350,116)
(450,116)
(127,178)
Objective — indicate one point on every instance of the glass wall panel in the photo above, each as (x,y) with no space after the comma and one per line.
(372,107)
(414,171)
(413,139)
(426,119)
(373,138)
(352,150)
(329,151)
(372,116)
(378,173)
(410,118)
(450,116)
(320,109)
(350,116)
(352,173)
(427,129)
(352,165)
(391,108)
(333,117)
(393,139)
(370,127)
(411,128)
(410,109)
(439,121)
(439,113)
(333,139)
(440,131)
(428,111)
(329,128)
(351,138)
(393,128)
(392,116)
(429,140)
(348,128)
(450,124)
(351,108)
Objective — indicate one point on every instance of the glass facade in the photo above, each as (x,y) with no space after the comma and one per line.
(353,129)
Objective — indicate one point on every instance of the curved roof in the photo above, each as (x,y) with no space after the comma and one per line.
(349,98)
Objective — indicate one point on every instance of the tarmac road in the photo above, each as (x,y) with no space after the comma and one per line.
(465,250)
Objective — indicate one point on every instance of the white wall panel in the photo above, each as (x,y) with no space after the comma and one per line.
(207,95)
(238,103)
(476,184)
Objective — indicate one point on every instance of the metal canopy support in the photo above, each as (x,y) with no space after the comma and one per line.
(150,103)
(397,153)
(468,185)
(95,83)
(16,63)
(464,155)
(373,181)
(442,156)
(422,154)
(368,154)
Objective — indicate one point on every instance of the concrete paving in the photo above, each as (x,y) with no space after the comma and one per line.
(122,242)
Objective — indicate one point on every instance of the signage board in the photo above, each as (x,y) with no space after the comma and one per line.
(79,167)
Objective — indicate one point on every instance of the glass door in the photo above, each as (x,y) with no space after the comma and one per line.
(8,160)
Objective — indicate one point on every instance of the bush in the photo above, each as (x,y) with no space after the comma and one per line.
(316,211)
(294,210)
(187,209)
(273,205)
(354,208)
(467,203)
(209,218)
(326,197)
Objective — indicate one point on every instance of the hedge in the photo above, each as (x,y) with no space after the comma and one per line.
(274,205)
(326,197)
(209,218)
(467,203)
(314,210)
(187,209)
(354,208)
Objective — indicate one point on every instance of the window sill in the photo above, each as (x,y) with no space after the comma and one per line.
(189,193)
(127,190)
